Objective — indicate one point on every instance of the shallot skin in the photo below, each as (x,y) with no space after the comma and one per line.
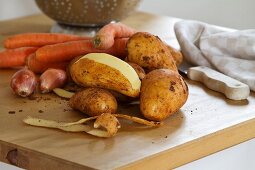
(51,79)
(24,82)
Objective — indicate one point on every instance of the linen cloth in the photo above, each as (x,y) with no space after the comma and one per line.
(229,51)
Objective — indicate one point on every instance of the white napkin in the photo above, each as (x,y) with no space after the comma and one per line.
(229,51)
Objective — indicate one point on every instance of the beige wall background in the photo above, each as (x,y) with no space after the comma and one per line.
(238,14)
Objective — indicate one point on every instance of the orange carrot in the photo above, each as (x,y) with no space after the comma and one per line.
(39,67)
(15,57)
(104,39)
(69,50)
(39,39)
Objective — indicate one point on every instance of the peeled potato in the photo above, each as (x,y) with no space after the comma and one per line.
(149,52)
(163,93)
(106,71)
(93,101)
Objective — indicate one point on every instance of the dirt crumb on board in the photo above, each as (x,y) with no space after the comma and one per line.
(40,111)
(32,97)
(46,98)
(11,112)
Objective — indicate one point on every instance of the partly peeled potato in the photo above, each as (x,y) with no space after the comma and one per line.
(163,93)
(106,71)
(149,52)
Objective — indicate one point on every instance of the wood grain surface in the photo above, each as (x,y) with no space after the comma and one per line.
(207,123)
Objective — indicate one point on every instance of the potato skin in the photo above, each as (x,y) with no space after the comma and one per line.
(93,101)
(163,93)
(149,52)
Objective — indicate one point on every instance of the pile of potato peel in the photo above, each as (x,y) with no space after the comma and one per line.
(109,123)
(106,125)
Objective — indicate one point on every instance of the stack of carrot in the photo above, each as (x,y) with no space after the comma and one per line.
(40,51)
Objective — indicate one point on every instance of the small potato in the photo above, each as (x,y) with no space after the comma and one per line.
(163,93)
(94,101)
(138,69)
(177,55)
(149,52)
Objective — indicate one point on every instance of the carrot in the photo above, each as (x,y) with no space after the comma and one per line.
(15,57)
(39,39)
(69,50)
(104,39)
(39,67)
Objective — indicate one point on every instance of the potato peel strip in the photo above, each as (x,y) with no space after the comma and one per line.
(139,120)
(79,125)
(63,126)
(81,121)
(63,93)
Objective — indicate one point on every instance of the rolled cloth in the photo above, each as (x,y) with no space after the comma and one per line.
(229,51)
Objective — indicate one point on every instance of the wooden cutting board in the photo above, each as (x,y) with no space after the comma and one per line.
(207,123)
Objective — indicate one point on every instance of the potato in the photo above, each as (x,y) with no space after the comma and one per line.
(69,77)
(106,71)
(177,55)
(149,52)
(93,101)
(138,69)
(163,93)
